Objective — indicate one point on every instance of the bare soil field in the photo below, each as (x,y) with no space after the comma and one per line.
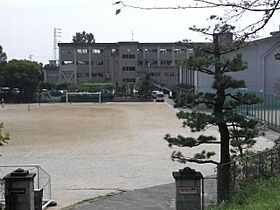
(93,149)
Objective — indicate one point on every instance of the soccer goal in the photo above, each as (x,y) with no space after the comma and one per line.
(83,94)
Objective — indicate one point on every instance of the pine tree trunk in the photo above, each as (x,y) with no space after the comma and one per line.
(224,167)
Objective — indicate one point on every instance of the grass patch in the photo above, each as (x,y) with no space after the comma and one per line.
(255,195)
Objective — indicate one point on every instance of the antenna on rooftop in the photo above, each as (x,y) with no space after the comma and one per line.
(56,35)
(132,34)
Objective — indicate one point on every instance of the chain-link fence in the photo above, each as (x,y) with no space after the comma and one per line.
(260,165)
(42,180)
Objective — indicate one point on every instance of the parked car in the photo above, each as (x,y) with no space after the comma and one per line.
(154,94)
(160,97)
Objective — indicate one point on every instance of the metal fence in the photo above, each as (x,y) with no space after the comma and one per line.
(268,110)
(42,180)
(260,165)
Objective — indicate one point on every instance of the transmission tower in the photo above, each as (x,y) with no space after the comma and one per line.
(56,35)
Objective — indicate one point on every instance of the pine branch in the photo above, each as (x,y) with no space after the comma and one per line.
(182,141)
(206,71)
(195,120)
(177,156)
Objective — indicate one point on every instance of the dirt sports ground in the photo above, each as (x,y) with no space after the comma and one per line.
(94,149)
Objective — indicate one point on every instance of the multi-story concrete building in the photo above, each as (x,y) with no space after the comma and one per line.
(122,62)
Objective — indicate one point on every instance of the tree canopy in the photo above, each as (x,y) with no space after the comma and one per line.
(145,86)
(83,37)
(4,135)
(24,75)
(3,60)
(3,56)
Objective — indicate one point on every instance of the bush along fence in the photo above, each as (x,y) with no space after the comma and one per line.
(268,110)
(260,165)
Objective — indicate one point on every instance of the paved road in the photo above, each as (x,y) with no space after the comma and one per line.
(153,198)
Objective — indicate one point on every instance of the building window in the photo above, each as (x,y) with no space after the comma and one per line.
(177,50)
(190,51)
(151,63)
(82,51)
(82,62)
(82,74)
(140,63)
(128,56)
(94,74)
(98,63)
(183,50)
(100,74)
(155,74)
(154,50)
(169,74)
(165,62)
(67,62)
(151,50)
(128,68)
(177,62)
(277,56)
(66,51)
(163,51)
(128,79)
(96,51)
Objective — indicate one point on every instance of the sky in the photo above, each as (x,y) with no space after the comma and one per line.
(26,26)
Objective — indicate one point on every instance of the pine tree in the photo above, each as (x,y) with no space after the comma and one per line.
(237,132)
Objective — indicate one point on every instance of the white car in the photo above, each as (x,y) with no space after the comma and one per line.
(154,94)
(160,97)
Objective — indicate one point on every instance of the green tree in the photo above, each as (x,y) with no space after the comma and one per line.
(3,56)
(4,136)
(83,37)
(3,61)
(146,86)
(24,75)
